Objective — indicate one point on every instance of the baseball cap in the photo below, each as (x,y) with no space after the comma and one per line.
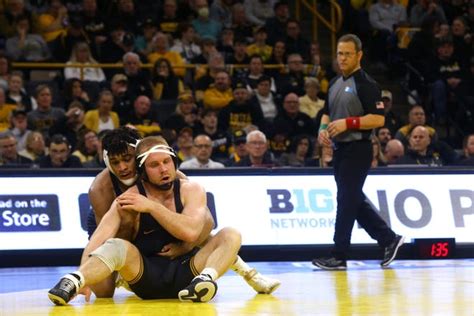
(239,84)
(239,137)
(119,78)
(185,97)
(386,94)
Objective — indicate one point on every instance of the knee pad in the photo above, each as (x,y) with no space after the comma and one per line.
(113,253)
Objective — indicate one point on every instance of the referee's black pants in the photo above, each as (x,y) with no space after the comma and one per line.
(351,165)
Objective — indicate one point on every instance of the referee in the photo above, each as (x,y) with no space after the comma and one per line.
(353,108)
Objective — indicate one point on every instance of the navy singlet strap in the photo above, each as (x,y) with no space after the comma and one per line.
(116,184)
(177,197)
(141,188)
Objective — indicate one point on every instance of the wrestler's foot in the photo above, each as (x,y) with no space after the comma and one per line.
(261,284)
(201,289)
(330,263)
(65,290)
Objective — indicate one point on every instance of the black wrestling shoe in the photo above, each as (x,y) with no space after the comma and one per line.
(201,289)
(390,252)
(330,263)
(65,290)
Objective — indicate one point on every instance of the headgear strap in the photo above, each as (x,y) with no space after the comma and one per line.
(155,149)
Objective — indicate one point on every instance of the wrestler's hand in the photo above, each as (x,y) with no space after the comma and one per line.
(86,291)
(323,138)
(130,201)
(337,127)
(173,250)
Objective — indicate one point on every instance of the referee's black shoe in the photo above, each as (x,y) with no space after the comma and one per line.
(390,252)
(330,263)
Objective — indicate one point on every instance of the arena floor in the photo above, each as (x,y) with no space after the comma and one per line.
(408,287)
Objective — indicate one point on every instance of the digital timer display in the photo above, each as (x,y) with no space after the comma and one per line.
(435,248)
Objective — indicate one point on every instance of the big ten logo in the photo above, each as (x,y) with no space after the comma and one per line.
(84,209)
(19,213)
(301,201)
(211,205)
(322,200)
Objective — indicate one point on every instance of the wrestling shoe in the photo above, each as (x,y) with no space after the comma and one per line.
(261,284)
(66,289)
(330,263)
(390,252)
(201,289)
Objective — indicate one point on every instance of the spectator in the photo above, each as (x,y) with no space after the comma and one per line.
(25,46)
(383,135)
(378,159)
(81,54)
(219,94)
(221,142)
(94,22)
(74,91)
(45,116)
(258,11)
(62,46)
(259,46)
(225,45)
(310,103)
(144,42)
(468,151)
(166,85)
(185,45)
(161,50)
(52,23)
(240,24)
(291,121)
(139,82)
(208,53)
(98,160)
(317,69)
(295,42)
(462,41)
(12,10)
(299,152)
(5,111)
(71,125)
(127,15)
(19,128)
(294,80)
(185,114)
(122,97)
(416,116)
(143,117)
(16,93)
(9,156)
(256,71)
(393,151)
(240,112)
(324,156)
(5,71)
(418,152)
(184,144)
(384,17)
(202,148)
(103,118)
(169,19)
(276,25)
(277,59)
(258,154)
(35,147)
(267,100)
(392,120)
(203,24)
(424,9)
(238,150)
(239,57)
(87,146)
(221,11)
(59,154)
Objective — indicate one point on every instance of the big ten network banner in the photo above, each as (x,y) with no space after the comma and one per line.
(286,210)
(51,212)
(43,212)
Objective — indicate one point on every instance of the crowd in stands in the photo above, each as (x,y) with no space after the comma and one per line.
(229,83)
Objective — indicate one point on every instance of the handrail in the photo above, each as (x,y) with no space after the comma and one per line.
(334,24)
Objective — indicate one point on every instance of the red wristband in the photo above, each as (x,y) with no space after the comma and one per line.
(353,122)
